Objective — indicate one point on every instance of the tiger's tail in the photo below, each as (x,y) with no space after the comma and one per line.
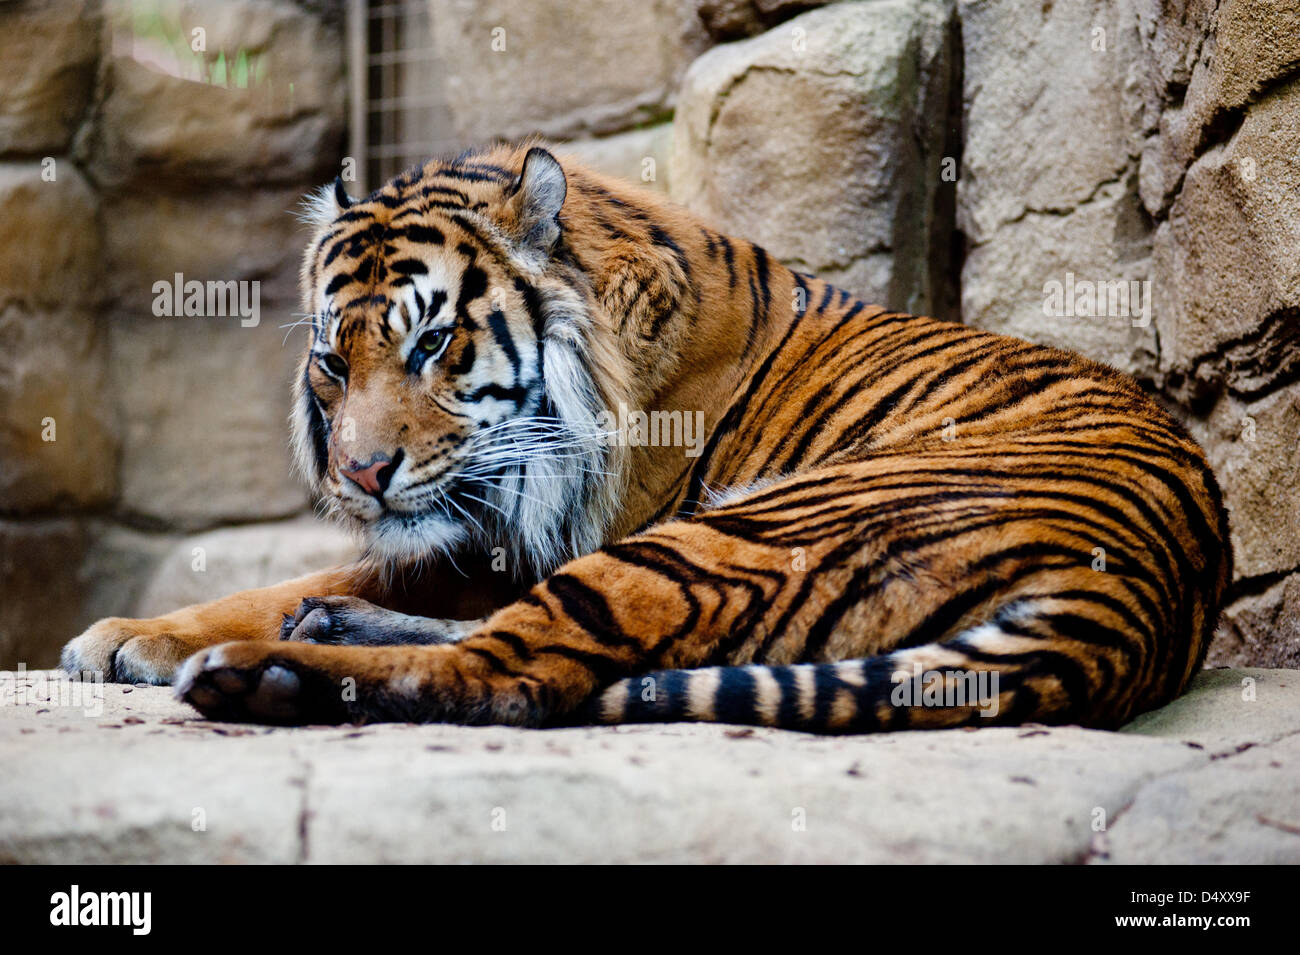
(984,676)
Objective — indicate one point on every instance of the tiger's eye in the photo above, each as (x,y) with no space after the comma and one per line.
(336,365)
(431,341)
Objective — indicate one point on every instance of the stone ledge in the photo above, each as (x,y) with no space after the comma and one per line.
(1210,778)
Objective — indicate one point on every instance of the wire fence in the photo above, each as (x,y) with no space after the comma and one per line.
(396,105)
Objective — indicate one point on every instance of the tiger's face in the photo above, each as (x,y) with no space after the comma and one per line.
(422,415)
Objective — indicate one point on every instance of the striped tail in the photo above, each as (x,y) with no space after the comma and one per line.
(955,683)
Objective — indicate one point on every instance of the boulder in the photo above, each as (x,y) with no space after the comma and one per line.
(261,101)
(119,562)
(824,141)
(48,51)
(1252,447)
(1008,283)
(1050,115)
(218,235)
(41,609)
(1053,119)
(1208,63)
(58,438)
(222,562)
(563,70)
(57,441)
(49,247)
(640,156)
(1261,629)
(1226,276)
(61,575)
(204,435)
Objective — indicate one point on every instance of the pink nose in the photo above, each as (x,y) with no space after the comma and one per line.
(369,478)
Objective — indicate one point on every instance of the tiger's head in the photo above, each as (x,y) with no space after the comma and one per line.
(449,394)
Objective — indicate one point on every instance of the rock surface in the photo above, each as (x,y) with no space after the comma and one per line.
(226,561)
(257,103)
(134,777)
(48,50)
(39,265)
(1053,131)
(1225,263)
(191,457)
(823,140)
(164,137)
(58,439)
(63,574)
(1261,624)
(1253,449)
(577,68)
(641,156)
(1153,143)
(40,599)
(1115,140)
(735,19)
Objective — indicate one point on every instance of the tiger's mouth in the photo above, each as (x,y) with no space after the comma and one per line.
(532,487)
(438,515)
(403,536)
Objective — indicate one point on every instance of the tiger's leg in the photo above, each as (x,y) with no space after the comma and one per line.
(150,651)
(603,616)
(126,650)
(954,576)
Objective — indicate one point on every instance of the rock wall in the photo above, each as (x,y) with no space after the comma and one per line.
(133,148)
(958,157)
(826,137)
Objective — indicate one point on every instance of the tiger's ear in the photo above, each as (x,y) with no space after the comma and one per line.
(341,197)
(532,211)
(326,204)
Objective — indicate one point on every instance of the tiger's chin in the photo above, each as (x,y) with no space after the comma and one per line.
(400,539)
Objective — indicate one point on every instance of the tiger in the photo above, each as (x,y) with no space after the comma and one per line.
(889,522)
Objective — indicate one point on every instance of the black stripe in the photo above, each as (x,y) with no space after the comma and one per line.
(409,267)
(735,698)
(501,332)
(317,427)
(729,255)
(423,234)
(533,303)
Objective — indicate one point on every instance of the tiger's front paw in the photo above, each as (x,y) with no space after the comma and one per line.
(351,621)
(252,681)
(129,651)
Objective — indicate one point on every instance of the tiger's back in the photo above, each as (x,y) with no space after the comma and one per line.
(948,503)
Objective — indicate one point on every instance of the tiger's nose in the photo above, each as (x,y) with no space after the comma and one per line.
(374,477)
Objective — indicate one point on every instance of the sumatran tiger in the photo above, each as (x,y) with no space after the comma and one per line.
(887,521)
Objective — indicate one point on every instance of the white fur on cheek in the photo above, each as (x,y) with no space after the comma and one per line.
(558,505)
